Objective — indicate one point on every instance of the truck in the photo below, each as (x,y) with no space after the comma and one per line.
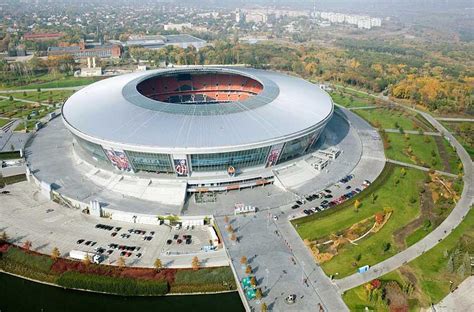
(81,255)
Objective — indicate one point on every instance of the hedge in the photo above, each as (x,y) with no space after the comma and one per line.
(31,260)
(116,285)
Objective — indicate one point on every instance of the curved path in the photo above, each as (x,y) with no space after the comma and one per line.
(443,230)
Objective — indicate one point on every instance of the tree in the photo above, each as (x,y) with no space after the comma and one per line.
(258,294)
(253,281)
(55,254)
(121,262)
(386,246)
(87,260)
(226,219)
(158,264)
(243,260)
(233,237)
(248,269)
(263,307)
(357,205)
(3,237)
(195,263)
(27,245)
(374,197)
(230,229)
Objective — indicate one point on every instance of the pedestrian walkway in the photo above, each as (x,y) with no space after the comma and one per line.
(413,132)
(404,164)
(460,300)
(451,222)
(361,107)
(455,119)
(281,265)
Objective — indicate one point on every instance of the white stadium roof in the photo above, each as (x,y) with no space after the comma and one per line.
(112,112)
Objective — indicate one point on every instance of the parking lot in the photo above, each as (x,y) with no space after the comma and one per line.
(26,215)
(336,194)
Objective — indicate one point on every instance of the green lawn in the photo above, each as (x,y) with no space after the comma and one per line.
(464,133)
(423,147)
(401,197)
(3,122)
(392,118)
(47,81)
(430,270)
(345,100)
(417,235)
(44,96)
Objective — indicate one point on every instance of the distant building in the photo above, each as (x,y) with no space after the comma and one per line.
(161,41)
(91,70)
(88,50)
(177,27)
(42,36)
(255,17)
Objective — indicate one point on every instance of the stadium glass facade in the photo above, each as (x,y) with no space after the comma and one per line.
(295,148)
(221,161)
(92,149)
(150,161)
(211,162)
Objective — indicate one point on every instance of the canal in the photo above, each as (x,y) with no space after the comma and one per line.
(18,295)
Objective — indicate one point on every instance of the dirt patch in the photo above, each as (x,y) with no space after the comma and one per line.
(443,153)
(427,207)
(409,275)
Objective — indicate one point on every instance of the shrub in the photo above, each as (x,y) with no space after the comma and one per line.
(116,285)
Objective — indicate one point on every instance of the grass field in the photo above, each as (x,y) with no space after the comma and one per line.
(46,81)
(423,148)
(350,101)
(394,118)
(464,133)
(424,151)
(3,122)
(44,96)
(401,197)
(430,272)
(17,109)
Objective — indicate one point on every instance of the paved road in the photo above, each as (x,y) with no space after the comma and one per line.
(413,132)
(361,107)
(455,119)
(460,300)
(404,164)
(452,221)
(270,248)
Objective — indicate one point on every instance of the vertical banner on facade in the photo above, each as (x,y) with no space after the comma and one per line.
(181,165)
(274,154)
(118,158)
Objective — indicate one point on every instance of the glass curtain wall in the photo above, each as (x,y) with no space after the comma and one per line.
(221,161)
(150,161)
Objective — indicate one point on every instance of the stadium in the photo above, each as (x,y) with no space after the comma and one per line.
(209,126)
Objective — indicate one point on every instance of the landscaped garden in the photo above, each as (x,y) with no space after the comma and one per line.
(464,133)
(49,97)
(374,225)
(31,112)
(394,118)
(120,279)
(349,100)
(427,151)
(423,281)
(49,80)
